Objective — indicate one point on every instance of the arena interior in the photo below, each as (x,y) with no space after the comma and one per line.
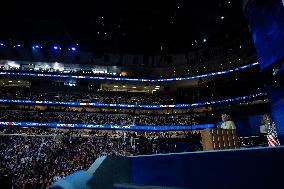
(142,94)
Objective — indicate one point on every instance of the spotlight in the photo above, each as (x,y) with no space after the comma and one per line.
(37,47)
(56,47)
(72,49)
(2,44)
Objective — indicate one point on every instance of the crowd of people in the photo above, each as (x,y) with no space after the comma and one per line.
(95,97)
(35,158)
(95,118)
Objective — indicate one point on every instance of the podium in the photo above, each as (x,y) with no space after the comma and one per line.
(219,139)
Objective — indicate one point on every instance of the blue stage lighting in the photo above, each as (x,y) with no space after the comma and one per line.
(73,48)
(56,47)
(2,44)
(37,47)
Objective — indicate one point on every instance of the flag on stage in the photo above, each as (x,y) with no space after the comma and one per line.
(272,140)
(272,136)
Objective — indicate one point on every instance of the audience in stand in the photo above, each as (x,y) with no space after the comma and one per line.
(35,158)
(202,61)
(94,118)
(98,97)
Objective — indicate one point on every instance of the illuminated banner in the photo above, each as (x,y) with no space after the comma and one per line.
(126,79)
(150,106)
(104,126)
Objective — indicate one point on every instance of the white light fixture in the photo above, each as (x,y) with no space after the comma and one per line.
(134,87)
(115,86)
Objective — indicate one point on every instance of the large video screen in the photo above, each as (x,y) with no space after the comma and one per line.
(266,20)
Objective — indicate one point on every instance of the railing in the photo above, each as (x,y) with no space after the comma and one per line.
(105,126)
(237,99)
(127,79)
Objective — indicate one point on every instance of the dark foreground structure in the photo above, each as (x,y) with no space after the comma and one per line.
(267,25)
(258,168)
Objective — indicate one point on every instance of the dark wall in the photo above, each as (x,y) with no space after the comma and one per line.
(257,168)
(245,169)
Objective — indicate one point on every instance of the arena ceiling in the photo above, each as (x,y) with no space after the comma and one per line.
(127,26)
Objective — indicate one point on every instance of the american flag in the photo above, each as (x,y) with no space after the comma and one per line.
(272,136)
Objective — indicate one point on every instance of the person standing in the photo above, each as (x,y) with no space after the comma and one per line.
(227,122)
(268,126)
